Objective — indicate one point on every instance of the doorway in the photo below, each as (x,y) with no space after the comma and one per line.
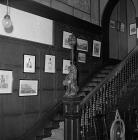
(121,41)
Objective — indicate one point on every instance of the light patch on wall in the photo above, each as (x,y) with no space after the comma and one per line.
(28,26)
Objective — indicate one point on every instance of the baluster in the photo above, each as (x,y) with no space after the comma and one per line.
(83,124)
(86,119)
(104,100)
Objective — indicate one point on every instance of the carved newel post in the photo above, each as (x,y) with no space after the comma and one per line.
(71,101)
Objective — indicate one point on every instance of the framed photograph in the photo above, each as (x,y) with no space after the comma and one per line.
(112,24)
(66,64)
(28,87)
(122,27)
(50,63)
(65,39)
(96,48)
(82,57)
(29,63)
(6,80)
(82,45)
(132,29)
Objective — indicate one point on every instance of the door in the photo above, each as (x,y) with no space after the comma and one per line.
(120,41)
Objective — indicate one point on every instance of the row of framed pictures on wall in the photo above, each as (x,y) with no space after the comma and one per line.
(27,87)
(29,64)
(82,45)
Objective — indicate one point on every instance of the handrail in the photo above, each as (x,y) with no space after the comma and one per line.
(118,68)
(105,98)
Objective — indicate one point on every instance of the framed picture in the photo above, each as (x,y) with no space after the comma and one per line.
(112,24)
(122,27)
(82,57)
(65,39)
(132,29)
(82,45)
(96,48)
(6,80)
(28,87)
(29,63)
(50,63)
(66,64)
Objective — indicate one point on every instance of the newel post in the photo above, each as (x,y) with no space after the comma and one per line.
(71,102)
(71,117)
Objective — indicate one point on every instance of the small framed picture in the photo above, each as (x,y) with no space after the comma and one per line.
(112,24)
(82,45)
(29,63)
(96,48)
(66,64)
(6,80)
(65,40)
(82,57)
(50,63)
(28,87)
(133,29)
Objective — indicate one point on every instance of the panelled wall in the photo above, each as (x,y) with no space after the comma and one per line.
(88,10)
(121,41)
(19,114)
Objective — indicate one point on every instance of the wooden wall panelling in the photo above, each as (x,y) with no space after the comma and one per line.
(12,126)
(26,111)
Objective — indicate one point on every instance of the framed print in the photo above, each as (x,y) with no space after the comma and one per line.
(66,64)
(82,57)
(28,87)
(82,45)
(112,24)
(96,48)
(50,63)
(65,39)
(29,63)
(122,27)
(132,29)
(6,80)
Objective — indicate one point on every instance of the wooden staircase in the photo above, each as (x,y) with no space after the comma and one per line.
(55,130)
(94,81)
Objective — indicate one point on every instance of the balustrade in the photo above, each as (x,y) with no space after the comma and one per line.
(104,99)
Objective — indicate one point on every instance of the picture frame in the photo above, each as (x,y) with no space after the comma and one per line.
(6,81)
(82,45)
(29,63)
(133,29)
(82,57)
(96,48)
(65,39)
(28,88)
(50,63)
(66,64)
(112,24)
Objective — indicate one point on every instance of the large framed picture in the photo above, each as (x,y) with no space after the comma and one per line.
(65,40)
(6,80)
(66,64)
(29,63)
(82,57)
(133,29)
(50,63)
(96,48)
(82,45)
(28,87)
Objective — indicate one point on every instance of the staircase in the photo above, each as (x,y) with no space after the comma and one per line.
(111,88)
(54,132)
(98,78)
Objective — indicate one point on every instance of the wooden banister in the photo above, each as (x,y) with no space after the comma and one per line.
(106,96)
(113,73)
